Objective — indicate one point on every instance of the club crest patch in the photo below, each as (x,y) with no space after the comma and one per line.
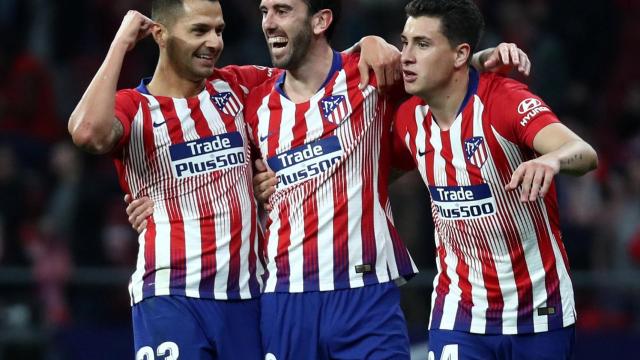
(475,151)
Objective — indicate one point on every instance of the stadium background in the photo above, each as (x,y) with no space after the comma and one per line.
(66,250)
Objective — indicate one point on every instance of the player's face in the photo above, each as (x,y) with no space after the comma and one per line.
(194,41)
(287,28)
(427,56)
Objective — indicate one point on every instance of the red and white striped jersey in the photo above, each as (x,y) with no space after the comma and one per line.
(502,267)
(331,225)
(191,156)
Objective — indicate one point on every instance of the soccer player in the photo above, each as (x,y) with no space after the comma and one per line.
(333,254)
(488,150)
(180,139)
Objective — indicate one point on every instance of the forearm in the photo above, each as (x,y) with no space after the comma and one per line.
(478,59)
(576,157)
(92,122)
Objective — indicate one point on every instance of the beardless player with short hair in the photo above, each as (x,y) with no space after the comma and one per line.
(503,289)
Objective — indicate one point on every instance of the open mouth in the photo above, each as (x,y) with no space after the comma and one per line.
(409,76)
(204,57)
(278,42)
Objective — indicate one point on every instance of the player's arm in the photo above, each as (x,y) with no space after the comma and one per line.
(93,125)
(502,58)
(383,58)
(561,151)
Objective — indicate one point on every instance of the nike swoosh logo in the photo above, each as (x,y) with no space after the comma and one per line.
(264,138)
(156,125)
(421,153)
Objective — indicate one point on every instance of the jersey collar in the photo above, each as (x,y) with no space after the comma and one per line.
(472,87)
(142,88)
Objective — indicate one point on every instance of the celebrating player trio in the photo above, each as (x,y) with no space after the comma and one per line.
(332,253)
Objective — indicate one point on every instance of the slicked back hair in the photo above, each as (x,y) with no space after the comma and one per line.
(460,20)
(334,5)
(166,12)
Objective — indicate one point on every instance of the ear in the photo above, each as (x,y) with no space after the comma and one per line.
(321,21)
(160,34)
(463,52)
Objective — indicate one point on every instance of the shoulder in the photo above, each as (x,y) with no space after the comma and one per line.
(408,107)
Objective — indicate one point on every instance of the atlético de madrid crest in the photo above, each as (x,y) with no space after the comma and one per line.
(226,103)
(475,150)
(333,108)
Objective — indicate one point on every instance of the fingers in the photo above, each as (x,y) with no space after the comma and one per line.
(516,177)
(514,55)
(128,198)
(138,211)
(504,54)
(141,227)
(536,184)
(363,68)
(264,182)
(492,61)
(260,166)
(546,184)
(381,75)
(525,64)
(534,180)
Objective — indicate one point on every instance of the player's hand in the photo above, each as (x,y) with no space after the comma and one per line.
(134,27)
(264,184)
(535,177)
(383,58)
(506,57)
(138,211)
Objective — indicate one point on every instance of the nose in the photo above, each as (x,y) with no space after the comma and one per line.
(214,40)
(406,57)
(267,22)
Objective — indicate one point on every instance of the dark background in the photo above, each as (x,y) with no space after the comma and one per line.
(66,249)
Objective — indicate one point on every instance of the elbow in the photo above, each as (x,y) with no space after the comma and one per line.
(85,137)
(593,156)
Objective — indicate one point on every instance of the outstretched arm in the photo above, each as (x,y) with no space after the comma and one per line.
(92,124)
(561,151)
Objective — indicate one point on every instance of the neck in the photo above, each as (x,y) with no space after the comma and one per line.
(444,102)
(302,82)
(167,82)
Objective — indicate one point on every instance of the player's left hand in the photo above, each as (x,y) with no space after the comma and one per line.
(535,177)
(383,58)
(264,184)
(505,57)
(138,211)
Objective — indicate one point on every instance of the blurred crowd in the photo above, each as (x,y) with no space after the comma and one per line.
(61,209)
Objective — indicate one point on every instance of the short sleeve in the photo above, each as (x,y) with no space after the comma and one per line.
(517,113)
(401,157)
(251,76)
(126,107)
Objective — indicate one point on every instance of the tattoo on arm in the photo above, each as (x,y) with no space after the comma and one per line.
(569,161)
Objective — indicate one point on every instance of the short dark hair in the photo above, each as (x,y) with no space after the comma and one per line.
(334,5)
(166,11)
(461,20)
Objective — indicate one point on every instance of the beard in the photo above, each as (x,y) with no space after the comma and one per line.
(298,45)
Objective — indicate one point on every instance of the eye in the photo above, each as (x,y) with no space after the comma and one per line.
(423,44)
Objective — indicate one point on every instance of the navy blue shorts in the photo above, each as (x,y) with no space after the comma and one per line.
(360,323)
(458,345)
(177,327)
